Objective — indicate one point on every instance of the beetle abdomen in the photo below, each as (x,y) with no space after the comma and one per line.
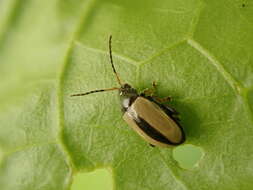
(153,124)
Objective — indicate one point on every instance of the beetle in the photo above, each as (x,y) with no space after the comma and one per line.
(145,113)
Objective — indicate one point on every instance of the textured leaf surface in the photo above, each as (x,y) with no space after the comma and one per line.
(199,52)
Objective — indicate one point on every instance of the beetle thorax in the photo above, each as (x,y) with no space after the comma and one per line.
(127,95)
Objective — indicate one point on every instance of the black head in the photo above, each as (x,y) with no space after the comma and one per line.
(127,91)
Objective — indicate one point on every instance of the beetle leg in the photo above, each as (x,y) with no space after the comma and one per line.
(159,100)
(152,145)
(172,110)
(147,92)
(150,91)
(154,85)
(176,117)
(162,100)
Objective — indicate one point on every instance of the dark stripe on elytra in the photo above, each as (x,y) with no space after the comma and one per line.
(152,132)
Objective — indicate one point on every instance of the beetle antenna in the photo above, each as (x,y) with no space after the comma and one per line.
(95,91)
(111,60)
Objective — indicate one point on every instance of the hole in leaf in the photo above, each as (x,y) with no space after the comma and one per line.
(187,156)
(100,179)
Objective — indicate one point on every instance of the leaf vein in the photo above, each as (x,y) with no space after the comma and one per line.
(195,20)
(162,52)
(234,84)
(87,9)
(100,51)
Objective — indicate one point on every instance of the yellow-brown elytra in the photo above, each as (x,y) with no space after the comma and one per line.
(145,113)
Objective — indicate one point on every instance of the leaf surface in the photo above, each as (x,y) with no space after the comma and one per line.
(199,52)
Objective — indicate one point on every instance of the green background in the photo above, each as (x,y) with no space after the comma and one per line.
(199,52)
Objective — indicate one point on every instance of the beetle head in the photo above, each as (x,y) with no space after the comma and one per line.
(127,91)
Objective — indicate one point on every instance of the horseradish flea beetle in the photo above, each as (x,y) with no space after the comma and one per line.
(146,114)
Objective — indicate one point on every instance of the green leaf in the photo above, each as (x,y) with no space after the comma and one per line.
(199,52)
